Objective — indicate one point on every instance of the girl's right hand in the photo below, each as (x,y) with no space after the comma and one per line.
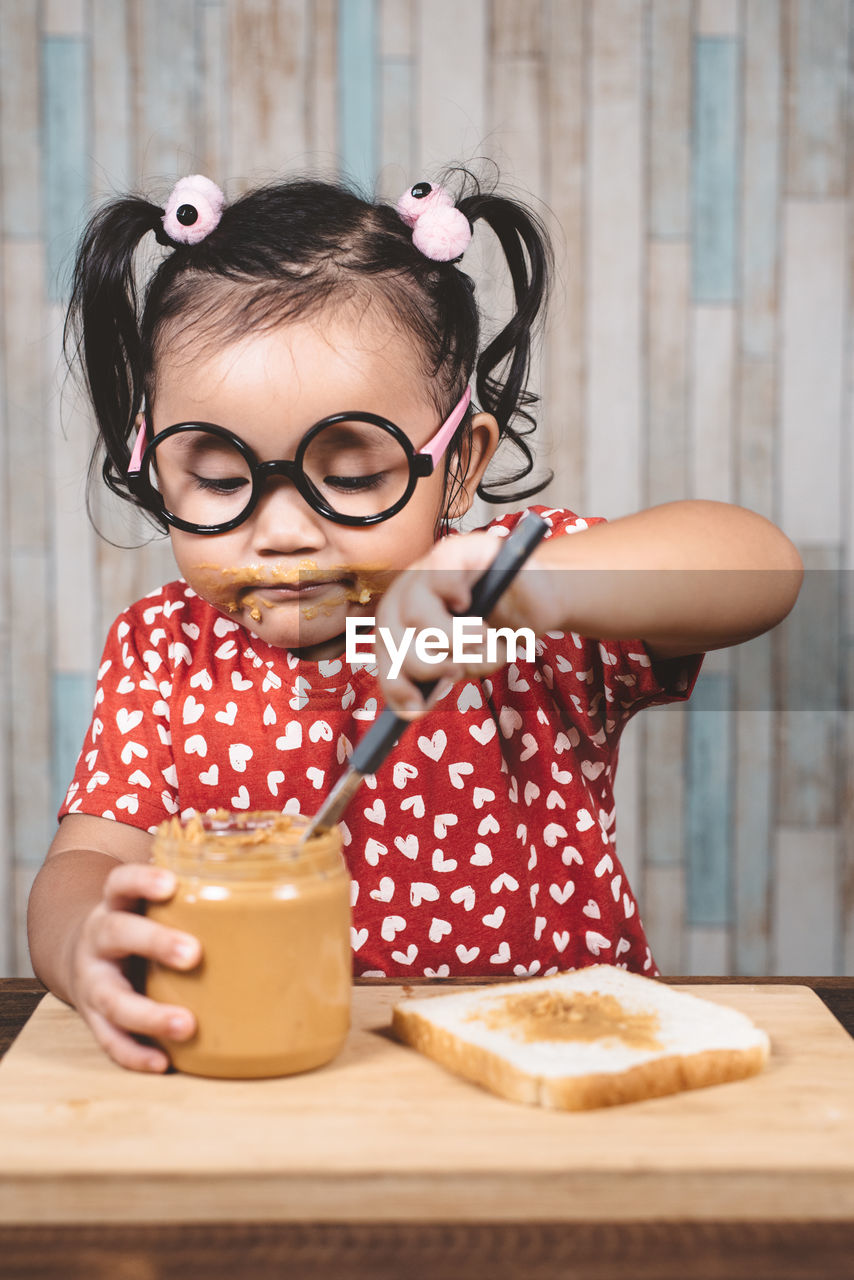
(100,989)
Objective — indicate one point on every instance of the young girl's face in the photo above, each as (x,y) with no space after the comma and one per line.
(287,573)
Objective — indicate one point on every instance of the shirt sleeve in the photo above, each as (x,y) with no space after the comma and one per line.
(604,683)
(126,770)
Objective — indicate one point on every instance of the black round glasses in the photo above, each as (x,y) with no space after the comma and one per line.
(351,468)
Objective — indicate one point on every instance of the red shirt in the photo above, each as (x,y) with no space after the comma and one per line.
(485,843)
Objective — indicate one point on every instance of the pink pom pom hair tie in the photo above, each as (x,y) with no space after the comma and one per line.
(193,210)
(439,230)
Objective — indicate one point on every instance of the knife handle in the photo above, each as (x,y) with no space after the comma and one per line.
(490,586)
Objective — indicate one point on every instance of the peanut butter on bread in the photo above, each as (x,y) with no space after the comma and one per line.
(553,1015)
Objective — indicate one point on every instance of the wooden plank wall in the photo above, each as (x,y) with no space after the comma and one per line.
(693,159)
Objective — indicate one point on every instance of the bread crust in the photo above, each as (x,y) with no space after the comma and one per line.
(657,1078)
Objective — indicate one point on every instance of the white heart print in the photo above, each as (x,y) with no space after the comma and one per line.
(584,820)
(420,891)
(442,822)
(391,927)
(441,863)
(127,720)
(483,733)
(374,851)
(465,895)
(408,845)
(469,698)
(376,812)
(385,892)
(291,739)
(458,772)
(239,753)
(435,745)
(402,773)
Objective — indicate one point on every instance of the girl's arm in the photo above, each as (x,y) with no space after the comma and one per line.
(83,924)
(684,577)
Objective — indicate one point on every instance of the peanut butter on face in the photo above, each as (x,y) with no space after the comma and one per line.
(271,995)
(223,583)
(583,1016)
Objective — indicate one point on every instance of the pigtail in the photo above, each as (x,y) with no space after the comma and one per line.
(102,327)
(502,369)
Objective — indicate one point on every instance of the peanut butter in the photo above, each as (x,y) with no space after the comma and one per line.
(225,584)
(271,994)
(585,1016)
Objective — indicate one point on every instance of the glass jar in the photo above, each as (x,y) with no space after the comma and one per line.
(271,994)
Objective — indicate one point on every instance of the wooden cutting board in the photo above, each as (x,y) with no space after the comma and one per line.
(383,1134)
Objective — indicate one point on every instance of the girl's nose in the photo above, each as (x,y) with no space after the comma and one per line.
(283,522)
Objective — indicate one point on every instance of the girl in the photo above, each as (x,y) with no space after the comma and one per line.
(291,405)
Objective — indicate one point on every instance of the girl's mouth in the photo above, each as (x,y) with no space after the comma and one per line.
(309,596)
(282,592)
(311,584)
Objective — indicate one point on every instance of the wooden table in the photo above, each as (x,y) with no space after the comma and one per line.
(791,1246)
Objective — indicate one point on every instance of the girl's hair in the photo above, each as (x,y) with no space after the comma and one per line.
(283,252)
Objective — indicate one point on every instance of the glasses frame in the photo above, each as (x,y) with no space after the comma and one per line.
(422,462)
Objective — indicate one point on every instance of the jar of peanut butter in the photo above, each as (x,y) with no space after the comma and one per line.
(271,993)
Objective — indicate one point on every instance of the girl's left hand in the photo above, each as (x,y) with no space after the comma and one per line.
(428,594)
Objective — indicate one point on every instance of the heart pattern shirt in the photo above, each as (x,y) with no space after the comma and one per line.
(485,844)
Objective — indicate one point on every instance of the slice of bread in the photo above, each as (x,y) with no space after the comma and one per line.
(588,1038)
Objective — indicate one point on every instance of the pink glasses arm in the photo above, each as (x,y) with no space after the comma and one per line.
(437,446)
(138,449)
